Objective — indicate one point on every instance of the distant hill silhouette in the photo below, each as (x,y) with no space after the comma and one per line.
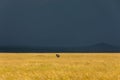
(102,47)
(99,47)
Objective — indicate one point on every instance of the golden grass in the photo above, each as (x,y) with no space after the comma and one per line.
(68,67)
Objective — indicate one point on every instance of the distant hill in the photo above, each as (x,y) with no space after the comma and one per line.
(102,47)
(99,47)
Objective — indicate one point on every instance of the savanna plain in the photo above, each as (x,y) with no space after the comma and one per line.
(70,66)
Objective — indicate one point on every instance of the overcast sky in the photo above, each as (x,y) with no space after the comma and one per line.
(59,22)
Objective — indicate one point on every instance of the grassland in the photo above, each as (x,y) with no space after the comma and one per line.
(68,67)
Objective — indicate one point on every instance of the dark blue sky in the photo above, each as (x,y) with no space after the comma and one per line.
(59,22)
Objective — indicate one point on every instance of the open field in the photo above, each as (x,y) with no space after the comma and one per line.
(68,67)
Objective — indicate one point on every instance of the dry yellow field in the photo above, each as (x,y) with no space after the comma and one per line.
(34,66)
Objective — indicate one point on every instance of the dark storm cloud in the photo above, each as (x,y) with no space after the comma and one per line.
(59,22)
